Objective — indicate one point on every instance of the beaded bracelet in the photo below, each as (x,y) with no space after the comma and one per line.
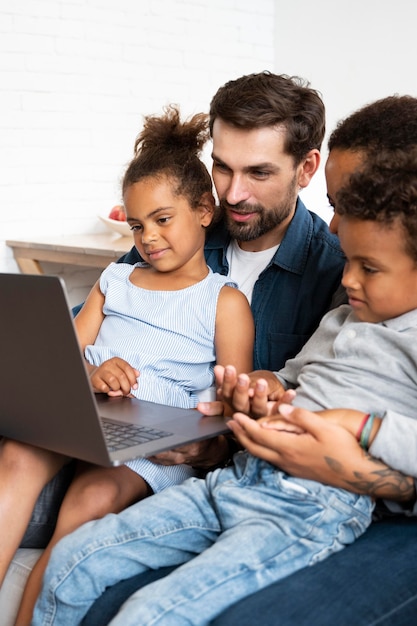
(366,431)
(360,429)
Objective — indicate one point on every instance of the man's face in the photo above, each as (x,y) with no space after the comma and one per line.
(340,165)
(257,183)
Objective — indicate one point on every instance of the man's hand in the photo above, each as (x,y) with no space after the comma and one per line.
(311,447)
(321,451)
(114,377)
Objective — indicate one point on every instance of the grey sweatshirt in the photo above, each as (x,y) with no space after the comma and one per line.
(367,367)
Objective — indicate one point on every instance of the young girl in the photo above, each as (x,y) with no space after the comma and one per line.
(153,330)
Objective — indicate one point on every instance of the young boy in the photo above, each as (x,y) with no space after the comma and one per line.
(246,526)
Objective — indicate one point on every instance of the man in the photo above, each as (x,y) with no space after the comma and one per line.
(332,592)
(267,132)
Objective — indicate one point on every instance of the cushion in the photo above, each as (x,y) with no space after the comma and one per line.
(14,583)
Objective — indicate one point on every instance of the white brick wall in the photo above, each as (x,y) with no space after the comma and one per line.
(76,77)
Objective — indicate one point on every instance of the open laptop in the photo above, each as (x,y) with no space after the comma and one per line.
(46,399)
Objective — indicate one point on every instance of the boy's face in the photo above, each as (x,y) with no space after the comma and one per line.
(380,277)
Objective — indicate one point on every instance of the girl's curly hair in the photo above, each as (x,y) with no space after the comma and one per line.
(170,148)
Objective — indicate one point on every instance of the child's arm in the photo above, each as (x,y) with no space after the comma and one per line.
(234,336)
(355,422)
(235,330)
(235,333)
(115,376)
(90,317)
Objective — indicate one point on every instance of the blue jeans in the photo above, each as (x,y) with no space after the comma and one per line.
(332,592)
(235,532)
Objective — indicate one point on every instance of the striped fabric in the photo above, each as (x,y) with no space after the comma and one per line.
(168,336)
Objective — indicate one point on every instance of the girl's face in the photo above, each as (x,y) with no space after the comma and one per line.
(168,233)
(380,277)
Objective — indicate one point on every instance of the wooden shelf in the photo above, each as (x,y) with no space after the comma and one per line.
(85,250)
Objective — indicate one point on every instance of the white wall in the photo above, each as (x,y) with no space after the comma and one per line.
(76,78)
(353,52)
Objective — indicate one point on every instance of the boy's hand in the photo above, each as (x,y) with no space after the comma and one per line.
(277,422)
(114,377)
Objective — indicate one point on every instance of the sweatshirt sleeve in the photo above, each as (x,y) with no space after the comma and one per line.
(396,445)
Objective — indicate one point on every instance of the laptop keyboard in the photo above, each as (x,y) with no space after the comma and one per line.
(119,436)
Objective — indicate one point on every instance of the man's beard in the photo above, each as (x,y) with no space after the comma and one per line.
(266,219)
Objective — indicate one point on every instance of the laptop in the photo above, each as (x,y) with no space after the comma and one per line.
(46,399)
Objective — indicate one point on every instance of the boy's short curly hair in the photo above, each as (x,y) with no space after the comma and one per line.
(384,190)
(388,123)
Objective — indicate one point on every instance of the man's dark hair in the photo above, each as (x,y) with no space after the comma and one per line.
(266,99)
(389,123)
(384,190)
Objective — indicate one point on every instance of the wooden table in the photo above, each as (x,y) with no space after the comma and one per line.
(86,250)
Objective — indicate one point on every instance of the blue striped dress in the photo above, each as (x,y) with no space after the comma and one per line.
(168,336)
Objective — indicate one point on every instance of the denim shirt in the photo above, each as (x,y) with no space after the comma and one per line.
(293,292)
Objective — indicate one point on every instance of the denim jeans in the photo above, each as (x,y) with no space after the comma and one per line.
(332,592)
(237,531)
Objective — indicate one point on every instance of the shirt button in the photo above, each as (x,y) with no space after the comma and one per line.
(351,333)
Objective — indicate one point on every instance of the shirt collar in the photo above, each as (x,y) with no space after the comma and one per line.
(292,254)
(402,322)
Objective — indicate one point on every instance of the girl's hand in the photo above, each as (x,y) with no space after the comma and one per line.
(255,394)
(114,377)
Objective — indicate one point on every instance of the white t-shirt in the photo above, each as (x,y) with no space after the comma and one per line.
(245,267)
